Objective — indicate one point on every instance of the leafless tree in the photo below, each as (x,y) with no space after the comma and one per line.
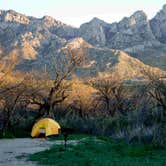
(11,97)
(56,90)
(156,87)
(156,90)
(112,94)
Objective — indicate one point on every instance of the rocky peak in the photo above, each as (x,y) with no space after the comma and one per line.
(136,19)
(161,15)
(140,16)
(49,21)
(94,31)
(77,43)
(164,8)
(130,31)
(97,21)
(158,25)
(12,16)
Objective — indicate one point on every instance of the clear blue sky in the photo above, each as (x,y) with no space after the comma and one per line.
(75,12)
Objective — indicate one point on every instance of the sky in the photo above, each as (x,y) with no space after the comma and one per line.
(76,12)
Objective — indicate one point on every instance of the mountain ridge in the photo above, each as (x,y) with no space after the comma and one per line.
(38,39)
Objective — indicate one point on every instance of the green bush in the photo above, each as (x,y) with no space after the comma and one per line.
(21,133)
(6,134)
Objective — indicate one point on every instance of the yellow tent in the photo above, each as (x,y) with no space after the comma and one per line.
(45,126)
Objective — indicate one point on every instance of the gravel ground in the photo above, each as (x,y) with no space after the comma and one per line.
(10,149)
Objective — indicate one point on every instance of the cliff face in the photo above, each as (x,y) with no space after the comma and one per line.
(11,16)
(94,32)
(158,25)
(131,31)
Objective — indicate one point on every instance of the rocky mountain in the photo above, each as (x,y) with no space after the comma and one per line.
(141,38)
(130,31)
(37,40)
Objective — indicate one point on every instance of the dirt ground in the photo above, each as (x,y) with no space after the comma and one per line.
(10,149)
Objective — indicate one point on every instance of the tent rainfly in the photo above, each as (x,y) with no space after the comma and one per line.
(45,126)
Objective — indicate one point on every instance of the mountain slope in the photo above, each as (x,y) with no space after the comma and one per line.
(104,62)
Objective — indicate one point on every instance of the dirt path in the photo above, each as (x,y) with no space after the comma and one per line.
(11,148)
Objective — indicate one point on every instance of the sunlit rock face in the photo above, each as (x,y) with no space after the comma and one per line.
(77,43)
(12,16)
(158,25)
(49,21)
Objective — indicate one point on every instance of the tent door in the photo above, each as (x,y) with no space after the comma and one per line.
(42,131)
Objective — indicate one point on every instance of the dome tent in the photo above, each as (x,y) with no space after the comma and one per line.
(45,126)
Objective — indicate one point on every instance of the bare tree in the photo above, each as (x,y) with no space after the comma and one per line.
(11,97)
(156,89)
(56,90)
(112,95)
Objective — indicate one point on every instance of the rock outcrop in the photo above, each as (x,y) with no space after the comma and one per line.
(94,32)
(158,25)
(11,16)
(131,31)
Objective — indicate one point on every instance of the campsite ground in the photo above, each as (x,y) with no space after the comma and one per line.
(10,149)
(81,150)
(13,152)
